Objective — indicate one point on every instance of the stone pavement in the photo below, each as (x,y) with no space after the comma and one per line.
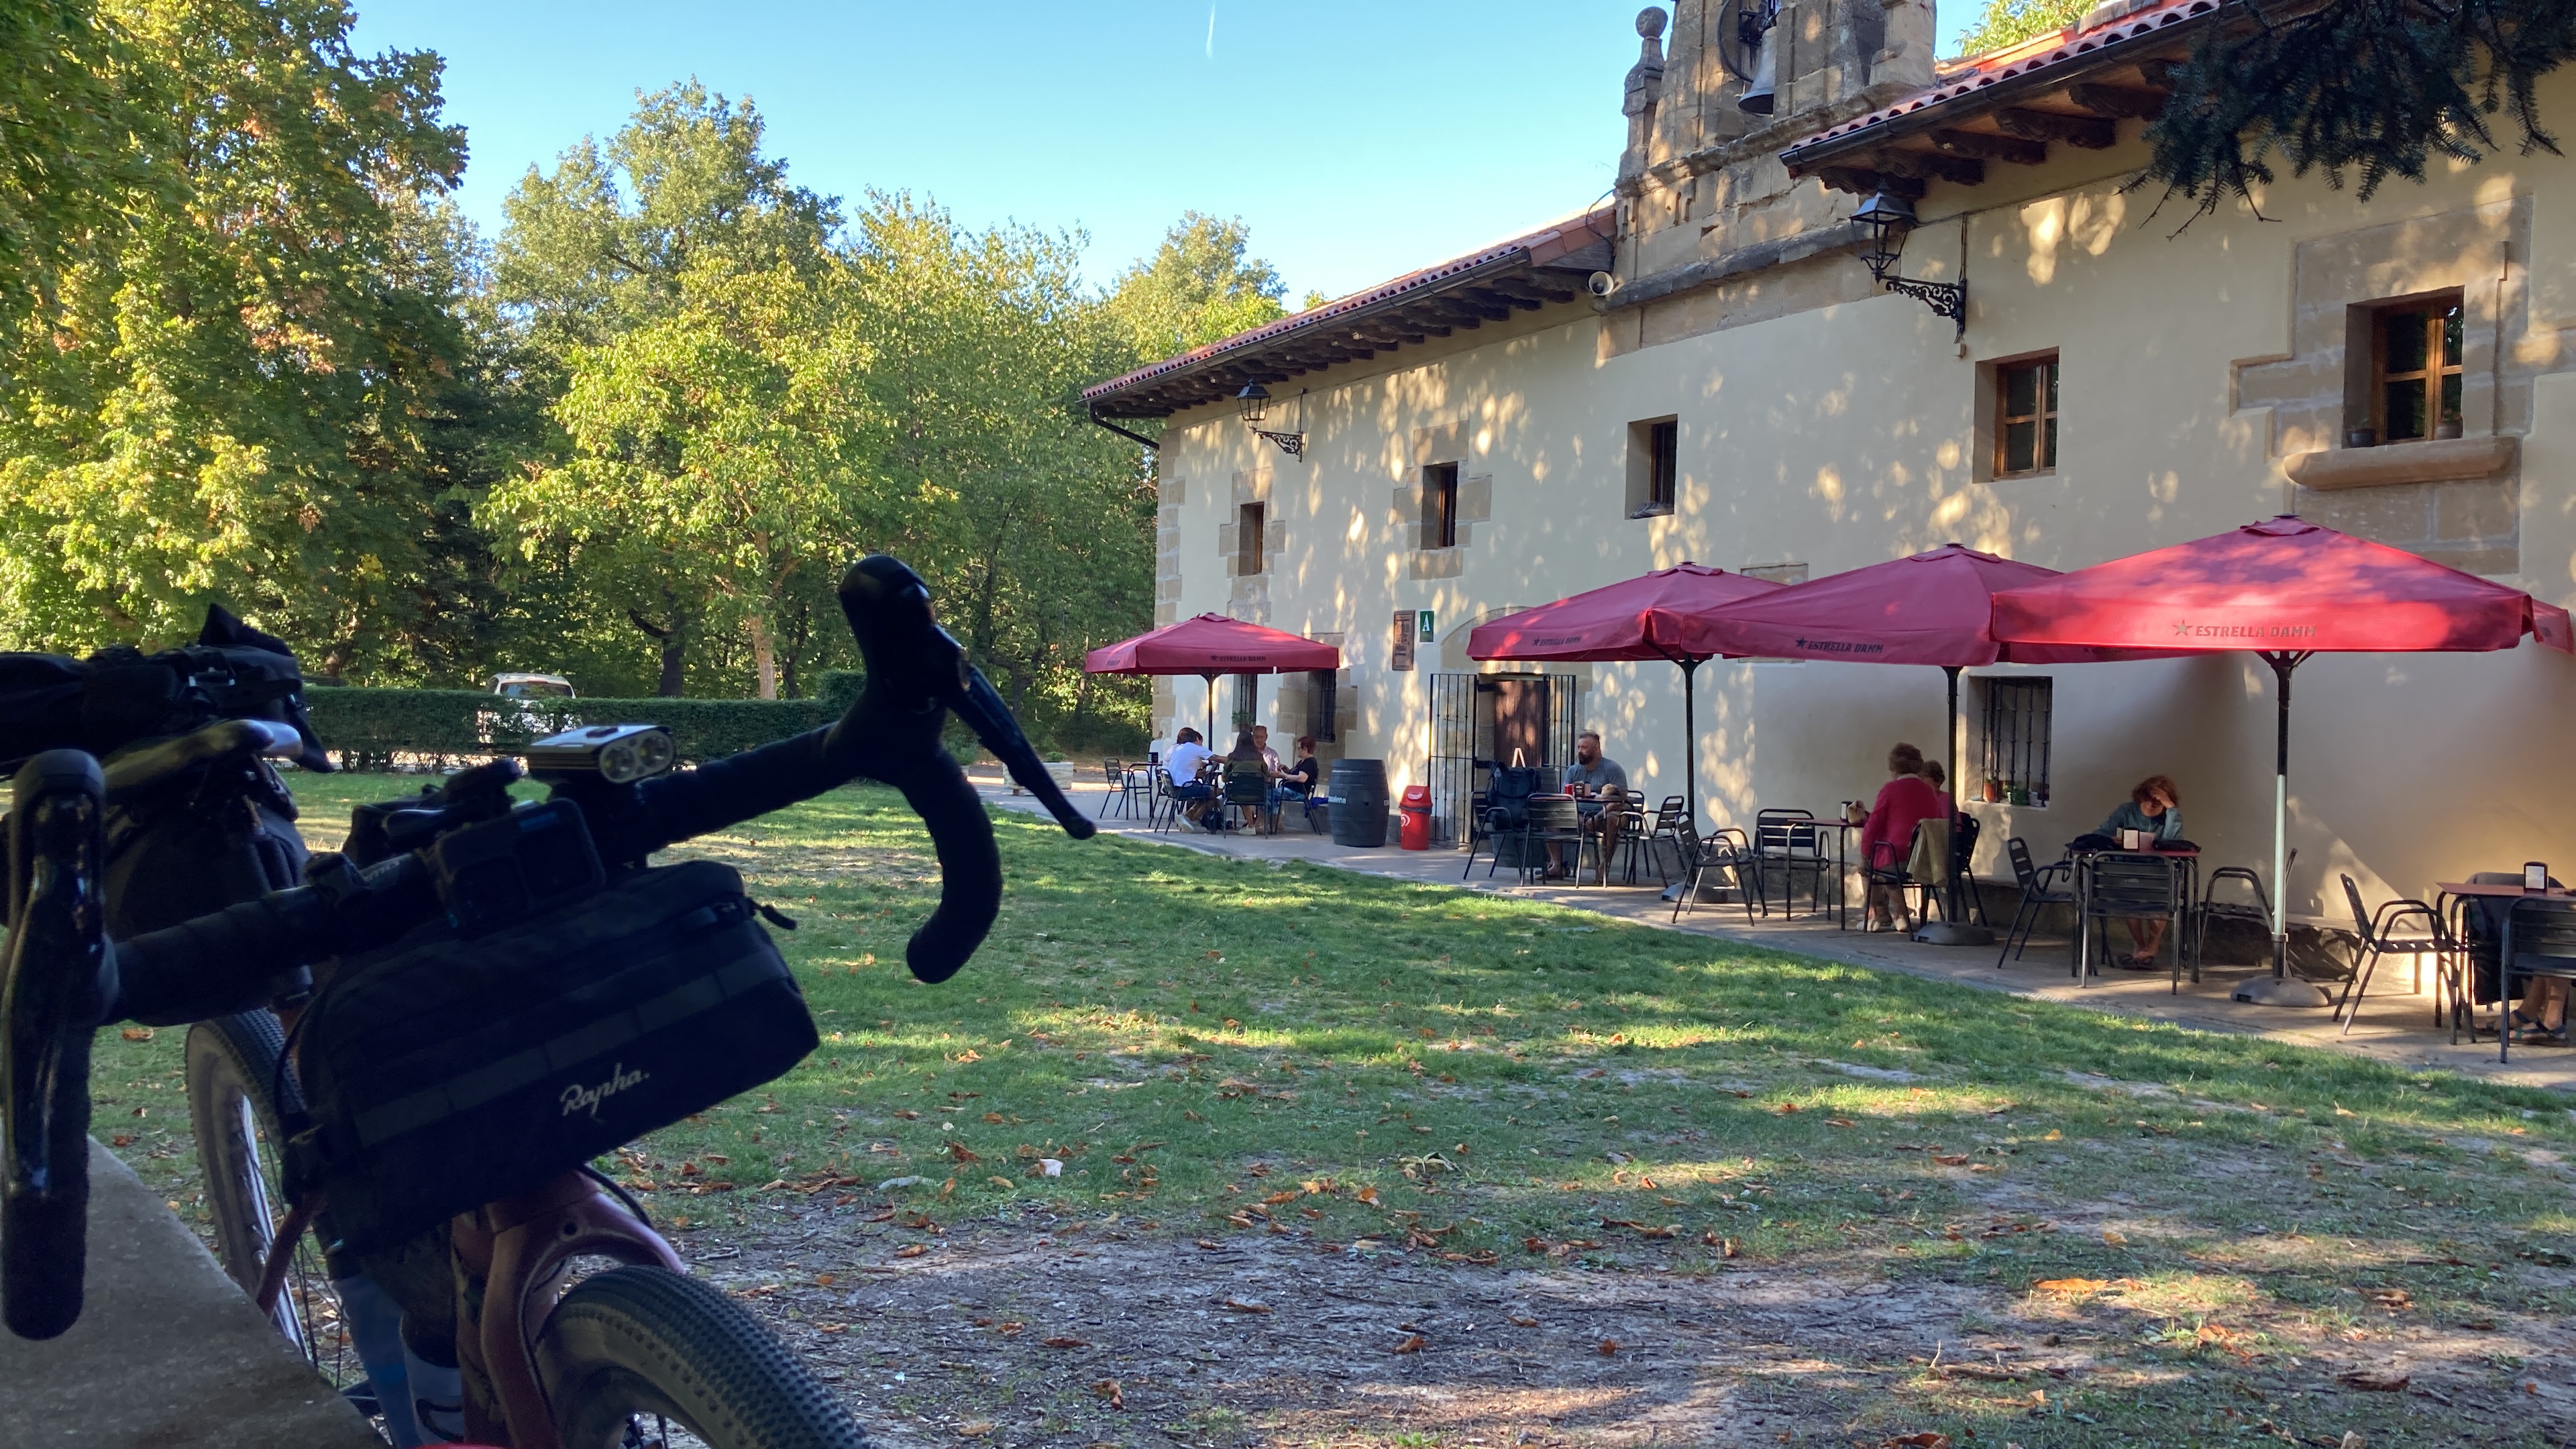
(167,1354)
(2395,1024)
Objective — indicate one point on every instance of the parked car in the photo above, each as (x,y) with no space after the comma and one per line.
(536,714)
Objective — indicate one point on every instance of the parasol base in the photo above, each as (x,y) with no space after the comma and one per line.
(2279,991)
(1943,933)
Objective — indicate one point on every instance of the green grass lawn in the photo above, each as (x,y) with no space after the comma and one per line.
(1214,1047)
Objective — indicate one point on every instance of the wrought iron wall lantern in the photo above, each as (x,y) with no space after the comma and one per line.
(1254,404)
(1889,218)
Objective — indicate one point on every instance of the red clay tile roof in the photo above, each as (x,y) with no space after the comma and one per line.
(1225,362)
(2039,63)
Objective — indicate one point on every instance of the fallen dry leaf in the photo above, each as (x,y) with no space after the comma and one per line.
(1412,1344)
(1925,1440)
(2115,1238)
(1368,1195)
(1060,1341)
(1108,1389)
(136,1033)
(2395,1300)
(1839,1122)
(1232,1305)
(823,1280)
(914,1251)
(121,1139)
(1007,1329)
(1519,1322)
(831,1328)
(974,1428)
(2073,1287)
(993,1117)
(2377,1381)
(1951,1159)
(1608,1347)
(957,1150)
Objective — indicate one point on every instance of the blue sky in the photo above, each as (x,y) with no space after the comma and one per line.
(1357,140)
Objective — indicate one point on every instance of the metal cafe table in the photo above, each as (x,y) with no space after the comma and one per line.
(2182,878)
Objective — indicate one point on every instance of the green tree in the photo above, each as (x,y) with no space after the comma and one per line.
(708,465)
(1198,286)
(1035,527)
(224,391)
(2004,22)
(629,241)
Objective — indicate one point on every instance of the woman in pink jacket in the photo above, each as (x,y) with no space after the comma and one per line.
(1887,840)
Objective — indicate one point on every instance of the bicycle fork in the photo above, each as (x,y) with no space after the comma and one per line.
(511,1256)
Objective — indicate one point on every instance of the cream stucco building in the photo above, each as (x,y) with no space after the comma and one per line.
(1489,434)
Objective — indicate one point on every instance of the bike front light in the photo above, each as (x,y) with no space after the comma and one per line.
(620,754)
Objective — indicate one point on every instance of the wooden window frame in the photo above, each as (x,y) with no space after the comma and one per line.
(2436,310)
(1663,464)
(1439,505)
(1250,519)
(2044,449)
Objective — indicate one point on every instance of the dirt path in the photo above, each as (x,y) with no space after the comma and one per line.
(1041,1332)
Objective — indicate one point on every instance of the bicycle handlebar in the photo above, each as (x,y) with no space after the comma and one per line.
(60,976)
(63,981)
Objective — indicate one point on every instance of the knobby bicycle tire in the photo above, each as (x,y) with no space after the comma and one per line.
(232,1075)
(637,1340)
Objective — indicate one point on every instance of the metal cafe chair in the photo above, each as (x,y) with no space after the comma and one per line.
(1788,843)
(2126,884)
(2539,943)
(1246,792)
(2037,894)
(1672,820)
(1722,850)
(2372,940)
(1126,783)
(1553,820)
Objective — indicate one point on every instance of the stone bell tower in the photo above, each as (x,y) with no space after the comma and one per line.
(1700,174)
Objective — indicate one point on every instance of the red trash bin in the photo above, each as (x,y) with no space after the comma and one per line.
(1416,808)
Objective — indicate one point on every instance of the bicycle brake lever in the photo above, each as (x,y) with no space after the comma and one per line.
(60,975)
(924,668)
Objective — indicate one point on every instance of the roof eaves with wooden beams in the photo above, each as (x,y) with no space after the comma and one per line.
(2068,88)
(1491,285)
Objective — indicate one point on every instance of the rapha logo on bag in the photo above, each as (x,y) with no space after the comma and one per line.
(578,1098)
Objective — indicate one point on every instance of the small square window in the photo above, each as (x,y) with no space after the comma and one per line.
(1654,467)
(2026,417)
(1663,462)
(2415,391)
(1440,505)
(1247,539)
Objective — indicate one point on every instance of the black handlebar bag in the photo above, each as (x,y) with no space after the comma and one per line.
(446,1071)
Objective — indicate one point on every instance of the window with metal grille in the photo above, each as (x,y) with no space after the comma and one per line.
(1322,696)
(1440,505)
(2417,370)
(1247,703)
(2017,736)
(1663,461)
(1247,539)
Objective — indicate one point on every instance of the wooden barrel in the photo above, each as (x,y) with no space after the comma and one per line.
(1359,802)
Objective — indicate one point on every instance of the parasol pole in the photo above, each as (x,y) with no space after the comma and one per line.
(1690,741)
(1955,931)
(2279,988)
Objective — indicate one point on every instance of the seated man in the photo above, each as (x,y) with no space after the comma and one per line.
(1183,766)
(1601,786)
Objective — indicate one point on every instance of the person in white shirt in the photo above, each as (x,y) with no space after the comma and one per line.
(1182,766)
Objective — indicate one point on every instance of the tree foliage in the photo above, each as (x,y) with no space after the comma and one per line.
(222,389)
(2375,88)
(2009,22)
(251,352)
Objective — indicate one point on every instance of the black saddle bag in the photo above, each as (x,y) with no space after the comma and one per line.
(445,1072)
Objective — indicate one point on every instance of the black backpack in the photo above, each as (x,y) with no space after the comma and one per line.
(447,1071)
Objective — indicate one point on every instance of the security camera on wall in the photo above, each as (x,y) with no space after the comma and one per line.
(1599,284)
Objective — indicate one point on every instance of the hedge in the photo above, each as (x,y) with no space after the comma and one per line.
(368,726)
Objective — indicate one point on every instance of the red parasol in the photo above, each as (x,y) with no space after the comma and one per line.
(1208,646)
(1653,616)
(1930,608)
(2285,589)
